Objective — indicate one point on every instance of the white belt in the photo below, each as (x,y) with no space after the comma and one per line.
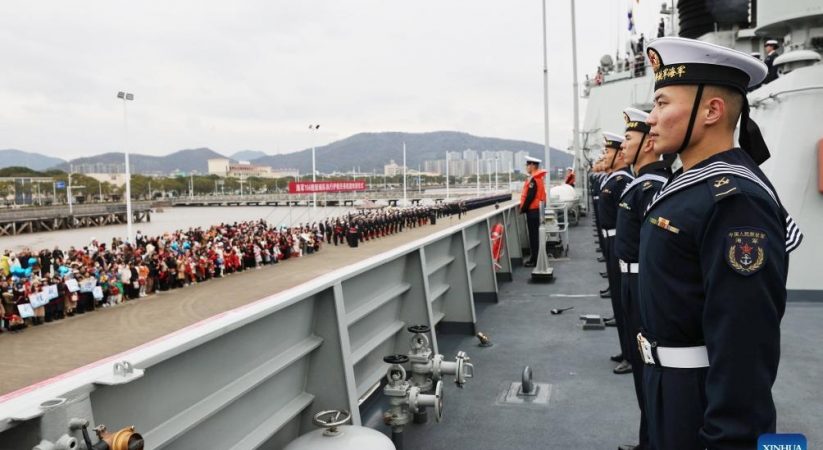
(597,197)
(674,357)
(629,267)
(609,233)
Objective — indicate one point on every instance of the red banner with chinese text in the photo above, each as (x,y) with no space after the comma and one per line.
(312,187)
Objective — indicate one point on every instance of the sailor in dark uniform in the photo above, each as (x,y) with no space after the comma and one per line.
(771,53)
(613,186)
(600,174)
(650,174)
(714,254)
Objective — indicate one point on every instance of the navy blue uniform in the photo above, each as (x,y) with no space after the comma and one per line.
(632,209)
(715,243)
(613,187)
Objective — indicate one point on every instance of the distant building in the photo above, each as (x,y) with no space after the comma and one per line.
(219,166)
(284,173)
(115,179)
(520,161)
(223,167)
(469,154)
(437,166)
(91,168)
(392,168)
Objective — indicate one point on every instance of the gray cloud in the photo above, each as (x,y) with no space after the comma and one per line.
(253,74)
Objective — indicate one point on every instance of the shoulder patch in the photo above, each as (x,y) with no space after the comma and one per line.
(647,185)
(619,177)
(745,250)
(625,206)
(722,186)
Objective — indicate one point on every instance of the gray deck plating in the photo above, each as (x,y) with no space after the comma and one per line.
(589,406)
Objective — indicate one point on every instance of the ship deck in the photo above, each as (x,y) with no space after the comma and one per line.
(37,355)
(589,406)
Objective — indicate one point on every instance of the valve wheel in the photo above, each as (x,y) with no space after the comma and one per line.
(438,404)
(331,418)
(419,329)
(396,359)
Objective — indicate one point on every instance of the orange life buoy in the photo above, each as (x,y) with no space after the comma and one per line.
(497,243)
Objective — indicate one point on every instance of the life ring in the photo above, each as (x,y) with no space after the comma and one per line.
(497,243)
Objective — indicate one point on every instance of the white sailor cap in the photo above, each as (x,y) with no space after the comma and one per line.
(773,42)
(530,160)
(677,60)
(636,120)
(613,140)
(681,61)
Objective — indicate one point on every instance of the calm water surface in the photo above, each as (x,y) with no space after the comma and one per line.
(169,220)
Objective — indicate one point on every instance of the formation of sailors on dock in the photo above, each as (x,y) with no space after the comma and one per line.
(696,260)
(53,284)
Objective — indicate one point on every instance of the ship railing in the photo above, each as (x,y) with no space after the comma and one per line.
(253,376)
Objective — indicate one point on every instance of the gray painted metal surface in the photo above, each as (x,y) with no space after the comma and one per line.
(253,377)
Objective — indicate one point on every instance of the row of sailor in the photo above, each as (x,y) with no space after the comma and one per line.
(696,259)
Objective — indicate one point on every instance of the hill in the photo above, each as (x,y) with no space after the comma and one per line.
(370,151)
(34,161)
(247,155)
(182,160)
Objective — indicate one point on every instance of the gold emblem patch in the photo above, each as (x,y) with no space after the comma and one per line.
(721,182)
(746,250)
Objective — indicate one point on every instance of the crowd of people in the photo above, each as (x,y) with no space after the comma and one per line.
(49,285)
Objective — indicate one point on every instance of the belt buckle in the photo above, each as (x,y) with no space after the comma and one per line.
(624,267)
(645,348)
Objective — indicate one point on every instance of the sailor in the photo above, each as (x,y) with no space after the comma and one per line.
(771,47)
(534,193)
(613,186)
(599,175)
(714,248)
(650,174)
(570,177)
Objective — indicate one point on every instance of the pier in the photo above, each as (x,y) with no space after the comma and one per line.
(330,199)
(52,218)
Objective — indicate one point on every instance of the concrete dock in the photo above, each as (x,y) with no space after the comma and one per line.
(40,353)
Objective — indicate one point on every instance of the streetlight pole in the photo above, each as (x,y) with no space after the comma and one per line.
(578,156)
(546,151)
(68,194)
(447,175)
(313,168)
(478,176)
(126,96)
(405,200)
(495,174)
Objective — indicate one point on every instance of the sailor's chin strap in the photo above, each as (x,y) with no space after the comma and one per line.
(614,158)
(751,139)
(697,97)
(639,149)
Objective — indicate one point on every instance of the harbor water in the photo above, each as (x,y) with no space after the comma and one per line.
(171,219)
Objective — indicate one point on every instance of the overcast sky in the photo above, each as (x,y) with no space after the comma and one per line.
(251,74)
